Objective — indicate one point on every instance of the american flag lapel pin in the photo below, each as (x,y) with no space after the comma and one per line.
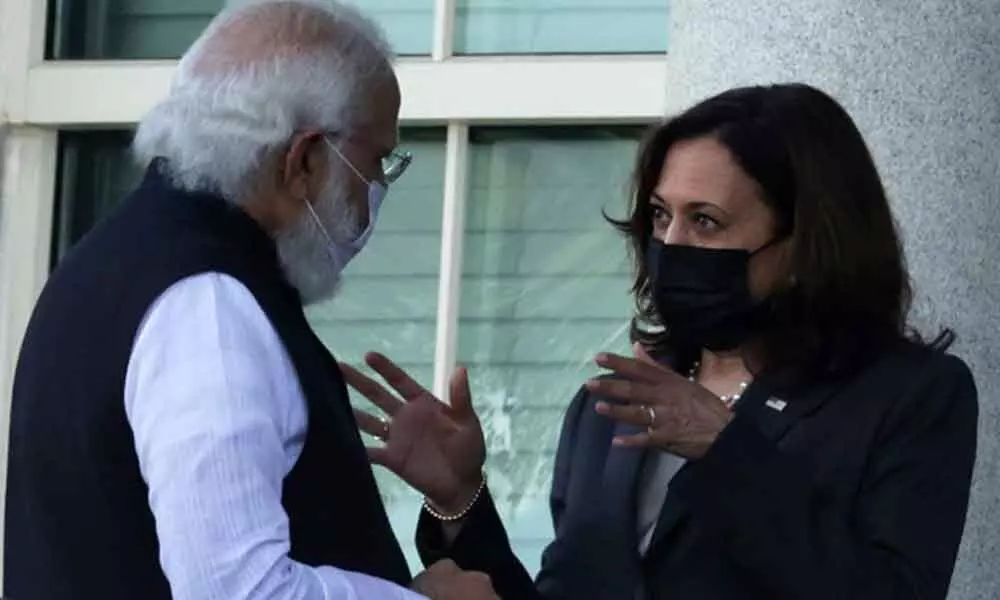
(776,404)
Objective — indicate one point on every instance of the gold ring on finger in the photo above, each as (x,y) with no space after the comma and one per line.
(651,412)
(385,429)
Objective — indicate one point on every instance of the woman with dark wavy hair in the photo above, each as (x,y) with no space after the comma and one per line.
(781,432)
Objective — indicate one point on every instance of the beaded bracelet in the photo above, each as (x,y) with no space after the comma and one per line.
(460,514)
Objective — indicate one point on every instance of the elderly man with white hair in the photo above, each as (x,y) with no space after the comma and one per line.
(178,431)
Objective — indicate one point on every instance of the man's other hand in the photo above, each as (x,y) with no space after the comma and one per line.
(445,581)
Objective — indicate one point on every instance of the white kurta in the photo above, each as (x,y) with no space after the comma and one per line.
(219,420)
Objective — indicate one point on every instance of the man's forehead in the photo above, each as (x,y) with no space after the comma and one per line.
(383,135)
(380,123)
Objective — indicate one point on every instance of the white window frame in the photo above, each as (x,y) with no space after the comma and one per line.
(39,97)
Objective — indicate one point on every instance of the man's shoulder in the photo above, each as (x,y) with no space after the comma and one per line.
(208,328)
(208,284)
(206,300)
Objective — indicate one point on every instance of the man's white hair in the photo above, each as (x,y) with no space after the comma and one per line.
(261,71)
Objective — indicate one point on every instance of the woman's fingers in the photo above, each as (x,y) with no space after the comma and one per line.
(371,389)
(635,440)
(626,390)
(641,354)
(632,368)
(640,416)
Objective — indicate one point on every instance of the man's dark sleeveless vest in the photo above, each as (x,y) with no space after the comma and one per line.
(78,524)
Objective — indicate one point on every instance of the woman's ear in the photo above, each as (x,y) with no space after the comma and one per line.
(771,269)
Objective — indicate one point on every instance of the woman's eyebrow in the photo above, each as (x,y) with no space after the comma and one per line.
(701,204)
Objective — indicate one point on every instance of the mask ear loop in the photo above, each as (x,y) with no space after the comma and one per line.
(318,221)
(774,242)
(792,280)
(347,162)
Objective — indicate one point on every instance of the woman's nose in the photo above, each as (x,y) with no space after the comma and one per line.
(674,234)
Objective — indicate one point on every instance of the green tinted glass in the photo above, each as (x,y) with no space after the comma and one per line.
(560,26)
(544,287)
(148,29)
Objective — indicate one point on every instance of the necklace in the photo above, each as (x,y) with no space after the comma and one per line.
(729,400)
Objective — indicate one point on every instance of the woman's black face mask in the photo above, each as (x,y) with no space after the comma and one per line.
(703,294)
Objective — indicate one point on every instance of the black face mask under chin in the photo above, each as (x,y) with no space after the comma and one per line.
(703,296)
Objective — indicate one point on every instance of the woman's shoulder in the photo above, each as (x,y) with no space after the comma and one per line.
(926,379)
(582,415)
(922,363)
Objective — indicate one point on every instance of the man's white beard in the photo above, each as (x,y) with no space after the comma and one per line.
(302,248)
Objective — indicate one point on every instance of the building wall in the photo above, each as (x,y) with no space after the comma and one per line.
(921,78)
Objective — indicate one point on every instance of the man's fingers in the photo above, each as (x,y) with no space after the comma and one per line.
(371,424)
(445,564)
(395,377)
(459,395)
(632,392)
(382,456)
(632,368)
(371,389)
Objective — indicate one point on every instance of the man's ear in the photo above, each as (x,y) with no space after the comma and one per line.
(303,158)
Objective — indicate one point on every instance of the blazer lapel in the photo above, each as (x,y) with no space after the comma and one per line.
(621,479)
(621,476)
(775,416)
(672,514)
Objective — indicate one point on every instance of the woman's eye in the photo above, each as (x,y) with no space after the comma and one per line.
(706,222)
(660,215)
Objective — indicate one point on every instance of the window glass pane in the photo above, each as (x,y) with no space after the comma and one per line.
(560,26)
(148,29)
(544,287)
(95,173)
(388,300)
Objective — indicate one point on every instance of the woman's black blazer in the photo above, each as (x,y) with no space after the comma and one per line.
(849,491)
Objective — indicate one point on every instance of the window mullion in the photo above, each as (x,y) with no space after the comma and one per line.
(444,29)
(452,245)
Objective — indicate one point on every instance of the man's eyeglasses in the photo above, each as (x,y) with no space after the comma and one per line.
(394,165)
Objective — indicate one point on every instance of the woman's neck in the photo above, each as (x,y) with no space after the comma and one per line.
(722,373)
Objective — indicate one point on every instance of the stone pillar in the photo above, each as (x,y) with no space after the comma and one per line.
(922,79)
